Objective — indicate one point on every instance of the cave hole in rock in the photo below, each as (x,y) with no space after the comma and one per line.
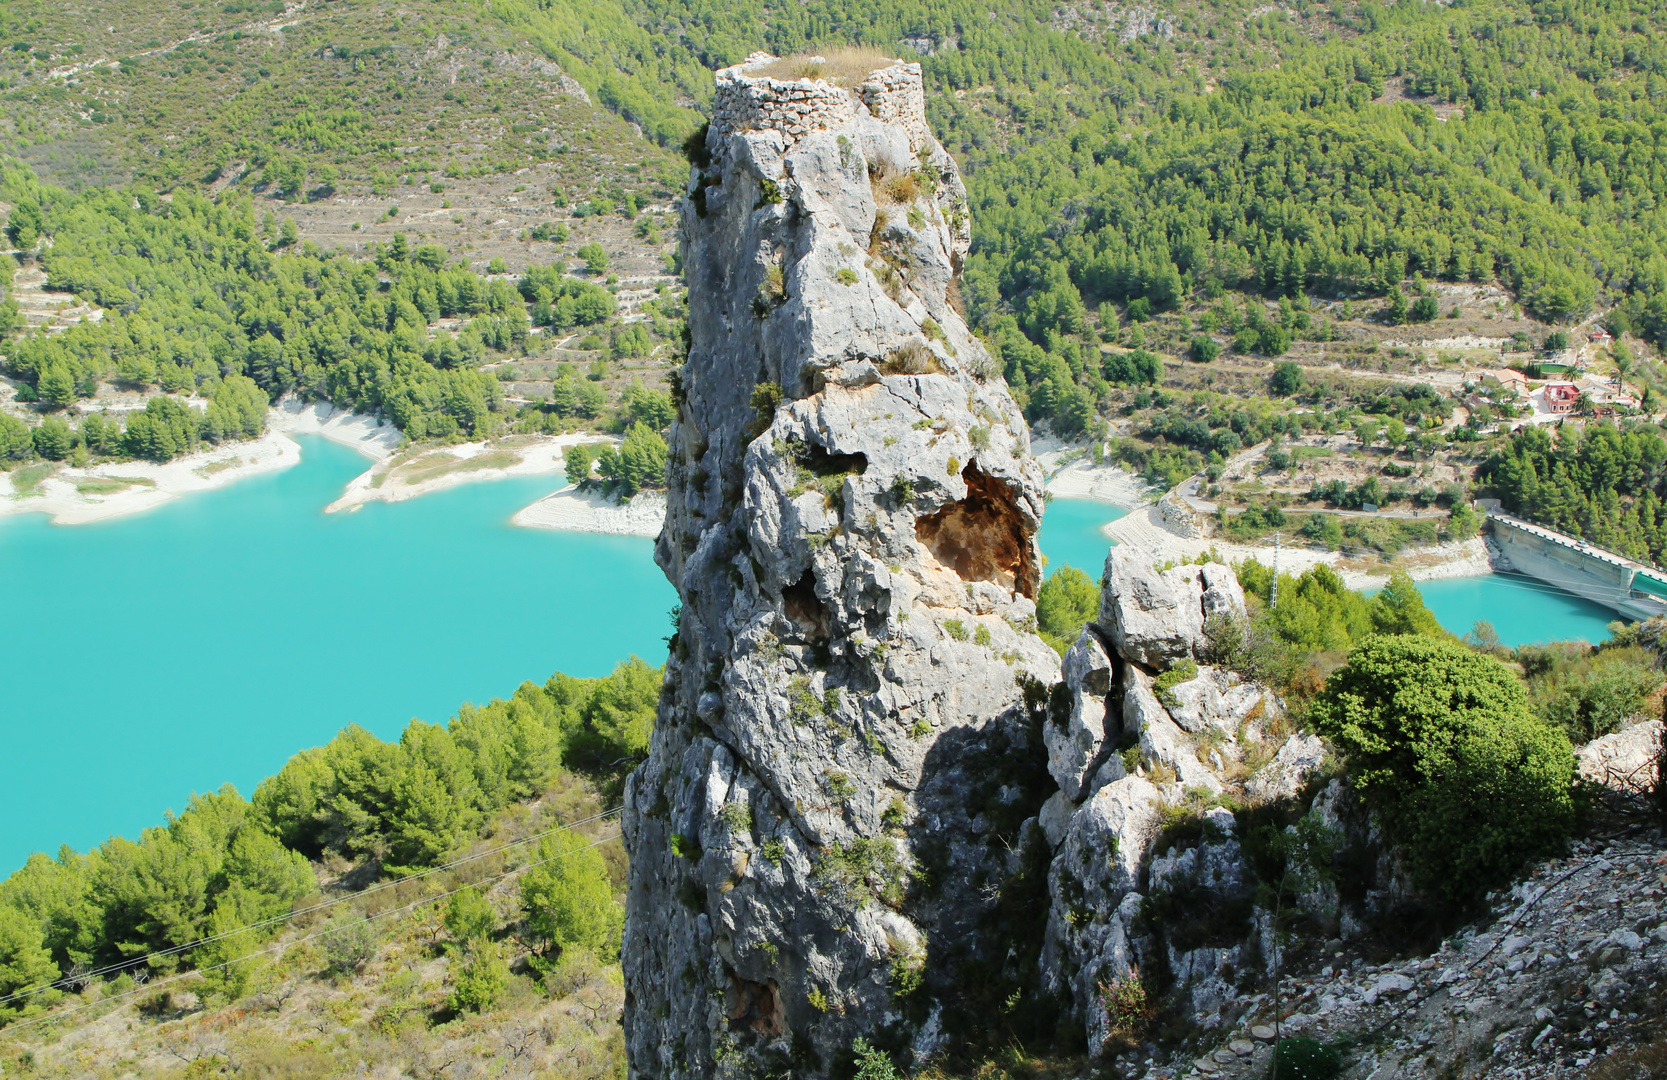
(983,537)
(804,608)
(819,469)
(755,1006)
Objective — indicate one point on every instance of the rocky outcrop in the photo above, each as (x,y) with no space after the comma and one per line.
(1157,617)
(875,803)
(1625,760)
(848,747)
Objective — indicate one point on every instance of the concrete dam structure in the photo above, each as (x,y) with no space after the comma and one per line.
(1629,587)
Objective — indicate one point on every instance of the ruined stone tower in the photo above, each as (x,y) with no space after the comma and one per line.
(825,837)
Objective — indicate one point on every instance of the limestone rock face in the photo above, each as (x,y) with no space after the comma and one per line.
(1076,747)
(1094,886)
(1157,617)
(1284,776)
(1625,760)
(850,730)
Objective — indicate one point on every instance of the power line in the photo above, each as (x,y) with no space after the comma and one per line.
(135,962)
(50,1017)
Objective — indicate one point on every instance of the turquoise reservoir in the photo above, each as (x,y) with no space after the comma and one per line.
(1071,534)
(1523,611)
(206,641)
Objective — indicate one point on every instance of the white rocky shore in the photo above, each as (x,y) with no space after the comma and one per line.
(1165,531)
(588,511)
(425,469)
(1147,531)
(74,496)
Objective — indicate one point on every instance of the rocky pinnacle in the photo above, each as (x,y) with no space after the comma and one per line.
(825,840)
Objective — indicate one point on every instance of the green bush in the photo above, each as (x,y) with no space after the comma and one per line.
(1441,742)
(1305,1059)
(1068,599)
(1164,686)
(872,1062)
(480,980)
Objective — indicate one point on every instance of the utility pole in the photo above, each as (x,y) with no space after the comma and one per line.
(1273,597)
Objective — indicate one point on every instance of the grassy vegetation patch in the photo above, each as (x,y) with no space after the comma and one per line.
(434,466)
(27,480)
(109,485)
(217,466)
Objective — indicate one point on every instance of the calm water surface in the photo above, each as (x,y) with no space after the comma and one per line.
(1071,534)
(206,641)
(1522,610)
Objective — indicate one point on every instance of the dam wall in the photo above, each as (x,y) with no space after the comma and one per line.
(1629,587)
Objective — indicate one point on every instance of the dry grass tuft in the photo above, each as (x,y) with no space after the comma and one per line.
(903,189)
(913,357)
(843,66)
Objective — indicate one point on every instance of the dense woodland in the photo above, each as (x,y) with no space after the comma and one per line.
(1597,482)
(201,298)
(1354,154)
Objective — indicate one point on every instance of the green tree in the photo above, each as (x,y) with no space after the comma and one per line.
(1286,379)
(434,797)
(619,718)
(1068,599)
(639,462)
(230,962)
(578,463)
(1440,740)
(568,899)
(596,259)
(24,962)
(25,224)
(16,440)
(165,429)
(57,386)
(236,410)
(1398,608)
(53,439)
(1397,310)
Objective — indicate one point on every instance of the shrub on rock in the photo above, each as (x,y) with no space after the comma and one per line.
(1442,743)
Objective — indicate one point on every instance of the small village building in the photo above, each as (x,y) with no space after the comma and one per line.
(1560,397)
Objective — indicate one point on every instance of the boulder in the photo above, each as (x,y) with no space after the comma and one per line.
(1156,617)
(1162,742)
(1073,748)
(1285,775)
(1214,698)
(1625,760)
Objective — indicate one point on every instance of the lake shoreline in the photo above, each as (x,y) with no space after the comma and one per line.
(586,511)
(78,496)
(423,470)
